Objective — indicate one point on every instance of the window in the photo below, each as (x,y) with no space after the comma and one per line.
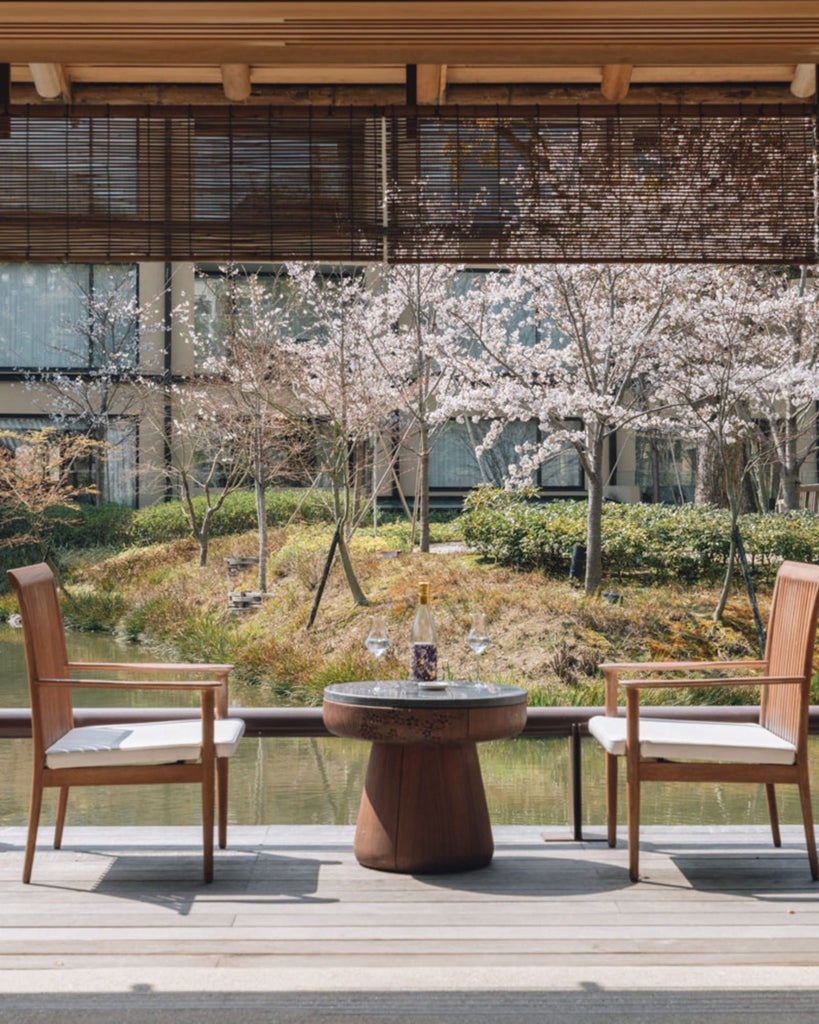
(219,298)
(119,469)
(67,316)
(666,469)
(453,464)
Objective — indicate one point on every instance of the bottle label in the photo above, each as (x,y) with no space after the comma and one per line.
(423,662)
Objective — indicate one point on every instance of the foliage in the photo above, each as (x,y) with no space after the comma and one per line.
(546,635)
(158,523)
(685,542)
(571,347)
(93,610)
(37,488)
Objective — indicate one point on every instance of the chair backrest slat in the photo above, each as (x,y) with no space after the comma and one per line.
(789,650)
(46,656)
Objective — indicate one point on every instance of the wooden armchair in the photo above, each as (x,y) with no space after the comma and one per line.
(193,750)
(771,752)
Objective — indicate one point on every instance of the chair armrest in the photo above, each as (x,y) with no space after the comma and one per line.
(219,671)
(673,684)
(677,666)
(143,666)
(188,685)
(612,670)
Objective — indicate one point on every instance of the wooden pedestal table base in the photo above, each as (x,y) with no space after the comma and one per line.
(423,809)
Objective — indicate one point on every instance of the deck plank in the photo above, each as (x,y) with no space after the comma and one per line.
(117,909)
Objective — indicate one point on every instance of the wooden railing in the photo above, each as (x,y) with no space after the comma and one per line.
(541,723)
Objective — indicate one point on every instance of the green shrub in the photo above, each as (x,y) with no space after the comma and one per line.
(93,610)
(685,542)
(159,523)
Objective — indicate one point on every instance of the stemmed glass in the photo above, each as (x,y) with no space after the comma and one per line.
(478,638)
(377,640)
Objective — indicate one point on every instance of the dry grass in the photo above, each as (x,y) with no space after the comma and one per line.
(546,635)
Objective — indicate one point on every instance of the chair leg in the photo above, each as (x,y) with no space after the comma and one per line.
(62,806)
(33,824)
(611,799)
(222,799)
(633,801)
(208,779)
(773,813)
(807,819)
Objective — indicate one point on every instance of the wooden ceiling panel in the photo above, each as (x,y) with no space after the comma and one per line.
(466,50)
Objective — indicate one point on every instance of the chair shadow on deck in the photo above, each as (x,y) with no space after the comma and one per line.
(169,879)
(742,869)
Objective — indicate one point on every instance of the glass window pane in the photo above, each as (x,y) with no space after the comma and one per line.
(53,317)
(666,468)
(119,482)
(40,305)
(455,465)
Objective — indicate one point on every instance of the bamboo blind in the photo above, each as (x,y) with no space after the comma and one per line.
(663,184)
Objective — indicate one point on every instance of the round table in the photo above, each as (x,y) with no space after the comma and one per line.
(423,809)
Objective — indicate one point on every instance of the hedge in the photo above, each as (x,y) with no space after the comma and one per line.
(163,522)
(687,541)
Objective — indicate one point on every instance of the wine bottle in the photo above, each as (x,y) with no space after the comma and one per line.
(423,640)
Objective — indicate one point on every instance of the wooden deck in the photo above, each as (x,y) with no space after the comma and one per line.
(118,927)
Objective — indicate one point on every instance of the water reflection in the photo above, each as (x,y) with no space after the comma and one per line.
(319,781)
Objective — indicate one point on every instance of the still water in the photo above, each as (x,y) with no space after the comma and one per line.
(319,781)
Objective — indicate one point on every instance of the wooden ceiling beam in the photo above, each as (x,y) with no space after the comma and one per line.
(615,81)
(376,95)
(236,82)
(51,81)
(393,74)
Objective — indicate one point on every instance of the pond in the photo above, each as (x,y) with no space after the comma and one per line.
(319,781)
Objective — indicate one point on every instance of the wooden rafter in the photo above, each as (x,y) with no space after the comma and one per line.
(803,83)
(51,81)
(236,82)
(616,81)
(431,84)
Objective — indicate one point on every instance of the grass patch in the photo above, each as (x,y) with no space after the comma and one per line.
(546,635)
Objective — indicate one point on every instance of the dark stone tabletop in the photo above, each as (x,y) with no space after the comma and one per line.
(403,693)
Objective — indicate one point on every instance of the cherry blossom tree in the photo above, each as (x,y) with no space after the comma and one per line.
(419,296)
(296,366)
(343,374)
(202,458)
(786,316)
(243,355)
(715,367)
(559,344)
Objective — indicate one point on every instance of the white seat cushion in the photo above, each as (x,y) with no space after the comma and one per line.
(141,743)
(674,740)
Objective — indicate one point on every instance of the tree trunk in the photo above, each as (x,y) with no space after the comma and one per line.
(594,517)
(423,488)
(349,572)
(789,467)
(261,522)
(710,484)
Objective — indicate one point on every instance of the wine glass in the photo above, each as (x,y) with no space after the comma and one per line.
(377,640)
(478,638)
